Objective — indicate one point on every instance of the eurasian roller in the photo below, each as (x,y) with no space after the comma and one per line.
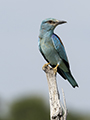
(52,49)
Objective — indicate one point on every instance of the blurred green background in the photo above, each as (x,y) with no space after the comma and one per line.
(35,108)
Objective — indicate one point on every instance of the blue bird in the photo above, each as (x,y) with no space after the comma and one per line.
(52,49)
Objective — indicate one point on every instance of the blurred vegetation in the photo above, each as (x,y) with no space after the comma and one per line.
(29,109)
(74,116)
(34,108)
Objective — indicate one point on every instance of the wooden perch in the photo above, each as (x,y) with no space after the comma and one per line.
(57,110)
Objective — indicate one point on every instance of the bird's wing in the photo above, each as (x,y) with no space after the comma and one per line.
(58,45)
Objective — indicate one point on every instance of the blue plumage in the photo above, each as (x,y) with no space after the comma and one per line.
(52,49)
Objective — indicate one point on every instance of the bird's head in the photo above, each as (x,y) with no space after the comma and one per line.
(50,23)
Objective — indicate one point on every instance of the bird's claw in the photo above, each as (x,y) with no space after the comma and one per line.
(45,65)
(55,69)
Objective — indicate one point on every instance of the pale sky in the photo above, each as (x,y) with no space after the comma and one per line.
(20,60)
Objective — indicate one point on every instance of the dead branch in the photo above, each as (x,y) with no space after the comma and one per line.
(57,110)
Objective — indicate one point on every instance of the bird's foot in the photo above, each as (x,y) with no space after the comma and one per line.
(45,65)
(55,69)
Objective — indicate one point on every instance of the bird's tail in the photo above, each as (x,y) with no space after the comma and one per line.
(71,79)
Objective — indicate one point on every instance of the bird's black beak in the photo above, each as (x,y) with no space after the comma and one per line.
(61,22)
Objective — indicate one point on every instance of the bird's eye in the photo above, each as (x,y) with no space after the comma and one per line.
(50,21)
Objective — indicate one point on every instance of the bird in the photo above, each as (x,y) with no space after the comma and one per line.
(53,50)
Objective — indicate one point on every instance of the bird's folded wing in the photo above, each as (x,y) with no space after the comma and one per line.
(58,45)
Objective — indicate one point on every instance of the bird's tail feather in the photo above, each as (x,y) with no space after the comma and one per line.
(71,79)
